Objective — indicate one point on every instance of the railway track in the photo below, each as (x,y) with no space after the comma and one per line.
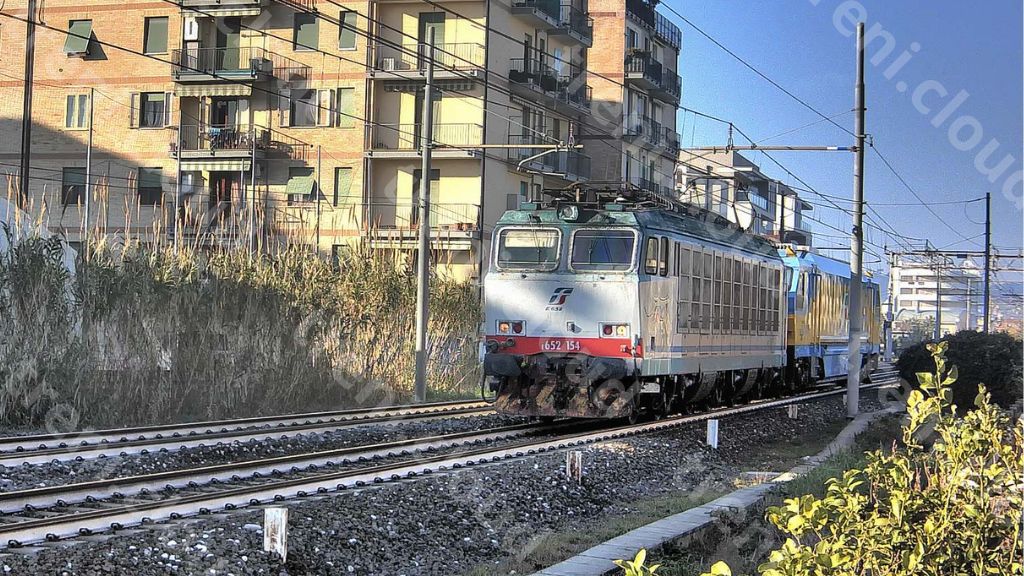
(43,448)
(50,514)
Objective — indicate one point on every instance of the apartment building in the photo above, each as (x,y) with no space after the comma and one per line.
(636,92)
(920,286)
(729,184)
(249,123)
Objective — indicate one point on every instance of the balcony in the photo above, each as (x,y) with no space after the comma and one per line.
(543,14)
(571,165)
(643,70)
(237,142)
(669,87)
(452,61)
(240,7)
(667,32)
(643,128)
(642,12)
(392,224)
(247,64)
(568,93)
(576,24)
(404,140)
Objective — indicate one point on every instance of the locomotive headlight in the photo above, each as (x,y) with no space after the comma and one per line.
(511,327)
(609,330)
(569,213)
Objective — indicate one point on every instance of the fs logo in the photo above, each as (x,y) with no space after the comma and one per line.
(558,298)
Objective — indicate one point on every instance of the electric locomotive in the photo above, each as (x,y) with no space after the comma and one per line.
(621,308)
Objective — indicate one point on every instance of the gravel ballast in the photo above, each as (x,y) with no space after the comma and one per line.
(69,472)
(447,524)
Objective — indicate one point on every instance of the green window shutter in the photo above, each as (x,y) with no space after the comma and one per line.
(306,31)
(346,108)
(133,121)
(79,35)
(155,36)
(342,186)
(347,35)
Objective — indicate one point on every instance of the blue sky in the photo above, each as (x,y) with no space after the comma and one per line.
(971,46)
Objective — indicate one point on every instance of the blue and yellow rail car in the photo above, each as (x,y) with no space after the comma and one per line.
(818,322)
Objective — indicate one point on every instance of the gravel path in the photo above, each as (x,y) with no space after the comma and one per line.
(59,473)
(446,524)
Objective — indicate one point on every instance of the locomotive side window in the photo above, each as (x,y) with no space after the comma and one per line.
(651,256)
(663,257)
(528,248)
(602,250)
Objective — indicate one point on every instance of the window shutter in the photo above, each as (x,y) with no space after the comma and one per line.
(168,108)
(346,103)
(342,186)
(134,119)
(347,36)
(284,100)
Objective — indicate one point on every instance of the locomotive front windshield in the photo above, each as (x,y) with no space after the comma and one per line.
(602,250)
(528,248)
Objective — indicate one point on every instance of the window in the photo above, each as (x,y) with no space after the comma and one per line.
(301,185)
(347,33)
(651,256)
(663,257)
(346,107)
(305,31)
(303,108)
(154,38)
(151,109)
(150,186)
(79,39)
(77,112)
(342,186)
(528,249)
(602,250)
(72,186)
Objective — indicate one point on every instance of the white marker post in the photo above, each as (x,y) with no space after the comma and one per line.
(713,433)
(794,411)
(275,531)
(574,466)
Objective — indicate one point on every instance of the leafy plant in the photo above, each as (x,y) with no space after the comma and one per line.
(636,566)
(949,502)
(995,360)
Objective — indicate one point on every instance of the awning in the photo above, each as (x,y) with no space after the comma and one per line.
(233,89)
(221,11)
(300,185)
(79,36)
(216,165)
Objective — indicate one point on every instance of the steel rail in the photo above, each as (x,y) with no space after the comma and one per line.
(95,516)
(23,449)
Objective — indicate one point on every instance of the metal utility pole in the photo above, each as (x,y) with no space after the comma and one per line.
(317,191)
(26,106)
(88,176)
(988,258)
(423,260)
(938,301)
(856,240)
(890,318)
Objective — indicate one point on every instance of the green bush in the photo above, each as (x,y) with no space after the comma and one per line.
(994,360)
(948,503)
(149,334)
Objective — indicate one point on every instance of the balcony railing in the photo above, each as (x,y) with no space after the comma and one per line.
(642,11)
(533,72)
(407,137)
(414,57)
(575,21)
(667,31)
(305,5)
(248,61)
(393,215)
(235,140)
(643,63)
(670,83)
(549,8)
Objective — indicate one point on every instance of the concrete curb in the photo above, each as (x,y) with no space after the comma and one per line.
(599,560)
